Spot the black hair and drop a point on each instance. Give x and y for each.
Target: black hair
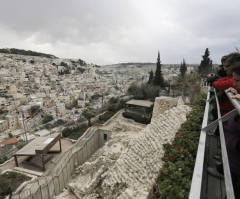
(221, 72)
(224, 58)
(232, 58)
(236, 68)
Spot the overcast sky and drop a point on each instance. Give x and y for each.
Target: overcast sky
(113, 31)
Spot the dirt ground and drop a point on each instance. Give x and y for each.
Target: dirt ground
(66, 145)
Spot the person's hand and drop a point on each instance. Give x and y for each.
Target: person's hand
(232, 90)
(210, 75)
(236, 97)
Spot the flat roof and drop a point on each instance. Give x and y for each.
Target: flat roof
(9, 141)
(39, 145)
(144, 103)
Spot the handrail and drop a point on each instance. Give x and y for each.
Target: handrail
(234, 102)
(227, 174)
(196, 186)
(223, 118)
(195, 191)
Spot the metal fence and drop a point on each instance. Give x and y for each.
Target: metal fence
(196, 186)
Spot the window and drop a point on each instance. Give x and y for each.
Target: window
(105, 136)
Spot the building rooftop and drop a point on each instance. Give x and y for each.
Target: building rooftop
(144, 103)
(9, 141)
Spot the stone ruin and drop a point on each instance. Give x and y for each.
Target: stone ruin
(127, 165)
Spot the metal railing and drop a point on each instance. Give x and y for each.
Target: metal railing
(234, 102)
(226, 169)
(196, 186)
(195, 191)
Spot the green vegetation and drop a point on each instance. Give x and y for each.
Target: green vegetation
(137, 117)
(205, 66)
(3, 159)
(175, 176)
(25, 52)
(74, 132)
(47, 119)
(144, 91)
(150, 80)
(89, 113)
(34, 110)
(183, 68)
(114, 105)
(73, 104)
(105, 117)
(10, 135)
(10, 181)
(188, 86)
(158, 79)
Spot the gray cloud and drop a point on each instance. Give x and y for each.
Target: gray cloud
(110, 31)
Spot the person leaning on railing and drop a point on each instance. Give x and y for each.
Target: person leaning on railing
(221, 83)
(232, 134)
(220, 73)
(225, 104)
(224, 83)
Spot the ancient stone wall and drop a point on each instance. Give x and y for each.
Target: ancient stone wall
(162, 104)
(135, 170)
(131, 173)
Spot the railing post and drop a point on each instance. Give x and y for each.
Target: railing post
(227, 174)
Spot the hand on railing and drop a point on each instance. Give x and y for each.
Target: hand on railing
(237, 96)
(232, 90)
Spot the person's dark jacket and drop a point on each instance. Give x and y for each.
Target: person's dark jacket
(232, 138)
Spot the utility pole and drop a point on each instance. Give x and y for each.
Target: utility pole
(102, 100)
(24, 127)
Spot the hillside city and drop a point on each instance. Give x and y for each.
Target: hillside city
(74, 130)
(119, 99)
(61, 88)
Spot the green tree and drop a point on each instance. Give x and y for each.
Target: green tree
(34, 109)
(205, 66)
(150, 80)
(88, 113)
(144, 91)
(158, 79)
(183, 68)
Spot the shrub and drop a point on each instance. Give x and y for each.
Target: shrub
(137, 117)
(3, 159)
(174, 178)
(106, 116)
(9, 181)
(64, 64)
(34, 109)
(59, 122)
(10, 135)
(73, 104)
(47, 119)
(75, 132)
(144, 91)
(89, 113)
(5, 185)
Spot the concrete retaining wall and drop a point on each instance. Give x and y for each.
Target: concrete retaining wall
(52, 184)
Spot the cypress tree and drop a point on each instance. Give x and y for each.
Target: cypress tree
(158, 79)
(150, 80)
(183, 68)
(205, 66)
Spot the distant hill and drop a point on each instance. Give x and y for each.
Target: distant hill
(149, 64)
(25, 52)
